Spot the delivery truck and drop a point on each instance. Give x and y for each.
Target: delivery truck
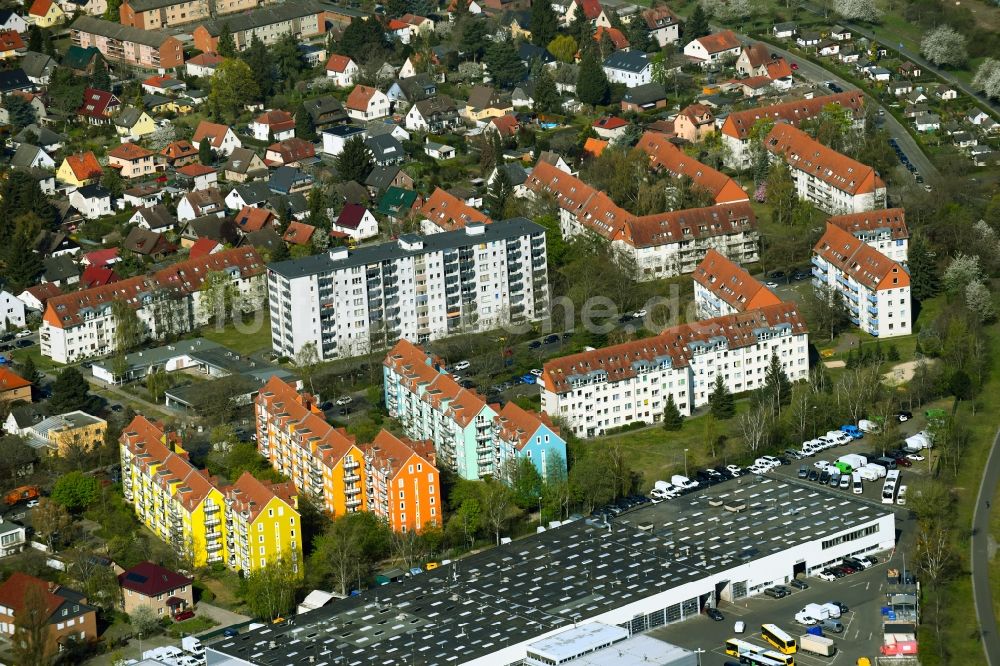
(820, 645)
(812, 613)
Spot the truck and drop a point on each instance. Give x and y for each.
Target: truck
(820, 645)
(192, 645)
(856, 461)
(832, 610)
(21, 494)
(814, 612)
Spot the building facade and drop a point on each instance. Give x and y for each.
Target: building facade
(68, 616)
(829, 180)
(328, 465)
(162, 590)
(885, 230)
(173, 300)
(244, 526)
(161, 14)
(597, 390)
(269, 24)
(471, 437)
(145, 49)
(347, 302)
(722, 287)
(874, 288)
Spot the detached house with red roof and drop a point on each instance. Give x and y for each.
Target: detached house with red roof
(591, 11)
(221, 138)
(290, 152)
(713, 48)
(663, 25)
(98, 106)
(342, 70)
(11, 45)
(274, 125)
(45, 13)
(831, 181)
(367, 103)
(694, 123)
(162, 590)
(874, 288)
(68, 616)
(469, 436)
(132, 160)
(355, 221)
(79, 170)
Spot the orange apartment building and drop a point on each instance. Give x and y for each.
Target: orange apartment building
(327, 464)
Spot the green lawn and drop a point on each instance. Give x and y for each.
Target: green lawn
(254, 338)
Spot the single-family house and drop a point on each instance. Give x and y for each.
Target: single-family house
(92, 201)
(254, 219)
(784, 30)
(275, 125)
(203, 64)
(298, 233)
(807, 38)
(132, 124)
(385, 150)
(439, 151)
(899, 88)
(485, 102)
(28, 156)
(713, 48)
(146, 243)
(201, 203)
(841, 34)
(293, 152)
(132, 160)
(644, 98)
(164, 591)
(610, 127)
(36, 296)
(179, 153)
(61, 270)
(45, 13)
(98, 106)
(437, 115)
(355, 221)
(694, 123)
(154, 218)
(38, 67)
(367, 103)
(221, 138)
(927, 122)
(287, 179)
(197, 176)
(662, 25)
(342, 70)
(11, 317)
(632, 68)
(79, 170)
(945, 92)
(243, 165)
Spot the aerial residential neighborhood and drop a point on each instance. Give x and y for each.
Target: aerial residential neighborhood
(492, 332)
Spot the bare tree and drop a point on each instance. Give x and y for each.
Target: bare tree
(858, 388)
(936, 559)
(754, 427)
(498, 502)
(30, 644)
(410, 548)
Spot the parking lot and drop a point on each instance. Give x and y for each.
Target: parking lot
(862, 592)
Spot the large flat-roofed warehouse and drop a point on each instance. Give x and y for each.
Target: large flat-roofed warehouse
(654, 566)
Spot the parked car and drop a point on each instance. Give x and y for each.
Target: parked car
(803, 472)
(715, 614)
(798, 584)
(734, 470)
(345, 400)
(534, 344)
(461, 365)
(550, 339)
(23, 333)
(916, 457)
(904, 416)
(775, 593)
(813, 475)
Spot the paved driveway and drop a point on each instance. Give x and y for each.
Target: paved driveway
(224, 617)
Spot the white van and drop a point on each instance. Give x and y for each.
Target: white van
(856, 483)
(864, 425)
(901, 496)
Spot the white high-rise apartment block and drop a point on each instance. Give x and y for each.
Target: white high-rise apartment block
(594, 391)
(419, 288)
(875, 289)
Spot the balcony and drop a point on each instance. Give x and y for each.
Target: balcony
(353, 502)
(352, 491)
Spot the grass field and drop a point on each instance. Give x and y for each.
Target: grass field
(256, 338)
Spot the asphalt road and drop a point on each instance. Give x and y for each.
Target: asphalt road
(915, 57)
(816, 74)
(981, 593)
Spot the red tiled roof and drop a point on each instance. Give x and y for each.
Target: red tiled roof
(594, 146)
(610, 122)
(194, 170)
(97, 103)
(181, 278)
(202, 248)
(755, 82)
(338, 63)
(893, 219)
(85, 166)
(591, 8)
(40, 7)
(179, 149)
(395, 453)
(10, 380)
(157, 81)
(778, 69)
(43, 292)
(665, 155)
(616, 36)
(360, 97)
(739, 123)
(129, 152)
(251, 495)
(298, 233)
(11, 41)
(804, 153)
(150, 579)
(351, 215)
(727, 280)
(859, 260)
(659, 17)
(206, 59)
(757, 54)
(214, 132)
(277, 120)
(619, 361)
(293, 149)
(101, 257)
(518, 425)
(251, 219)
(14, 590)
(506, 124)
(719, 41)
(449, 212)
(96, 276)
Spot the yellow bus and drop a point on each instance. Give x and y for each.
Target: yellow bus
(736, 647)
(774, 635)
(768, 658)
(783, 659)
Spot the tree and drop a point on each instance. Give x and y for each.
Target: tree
(233, 85)
(129, 329)
(979, 301)
(923, 269)
(720, 401)
(205, 153)
(963, 269)
(287, 58)
(76, 490)
(96, 580)
(960, 384)
(348, 549)
(144, 621)
(226, 45)
(31, 643)
(22, 263)
(696, 25)
(497, 509)
(50, 520)
(672, 419)
(217, 293)
(547, 98)
(776, 383)
(504, 64)
(638, 35)
(65, 90)
(260, 59)
(754, 427)
(592, 83)
(500, 191)
(987, 78)
(305, 127)
(759, 159)
(19, 111)
(781, 193)
(473, 40)
(70, 392)
(355, 161)
(157, 383)
(112, 181)
(563, 48)
(524, 481)
(270, 592)
(16, 456)
(364, 40)
(944, 46)
(307, 362)
(858, 10)
(35, 38)
(544, 24)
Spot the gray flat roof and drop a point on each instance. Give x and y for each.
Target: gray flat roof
(507, 595)
(373, 254)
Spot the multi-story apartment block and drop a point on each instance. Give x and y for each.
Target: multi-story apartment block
(269, 24)
(597, 390)
(829, 180)
(245, 525)
(146, 49)
(661, 245)
(738, 125)
(666, 157)
(721, 288)
(471, 437)
(173, 300)
(162, 14)
(420, 288)
(328, 465)
(875, 289)
(885, 230)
